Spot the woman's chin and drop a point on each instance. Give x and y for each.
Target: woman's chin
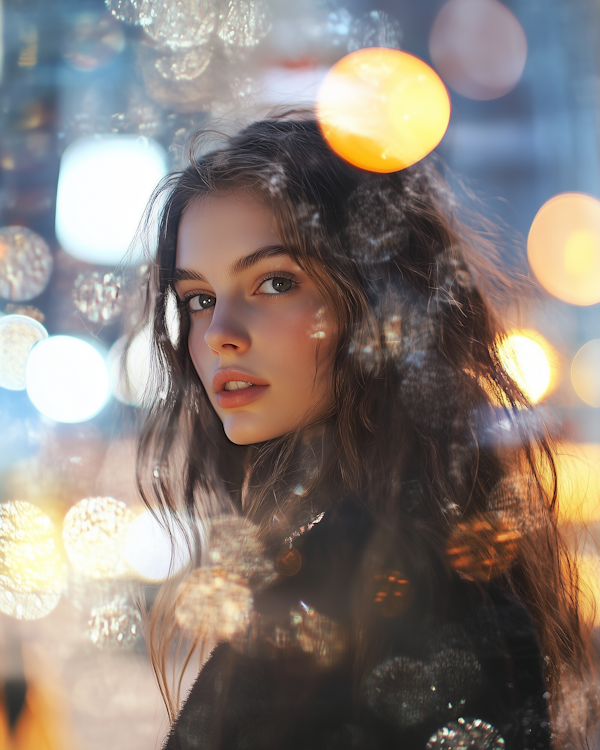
(246, 429)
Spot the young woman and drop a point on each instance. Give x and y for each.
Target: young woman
(369, 497)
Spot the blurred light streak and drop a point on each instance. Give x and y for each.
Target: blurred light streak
(18, 334)
(93, 533)
(585, 373)
(151, 552)
(104, 184)
(531, 362)
(67, 379)
(382, 109)
(564, 248)
(578, 477)
(478, 47)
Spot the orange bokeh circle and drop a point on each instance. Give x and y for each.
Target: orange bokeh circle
(564, 248)
(382, 109)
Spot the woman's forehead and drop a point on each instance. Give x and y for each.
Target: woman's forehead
(223, 228)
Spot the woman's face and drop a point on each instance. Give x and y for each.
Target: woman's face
(261, 337)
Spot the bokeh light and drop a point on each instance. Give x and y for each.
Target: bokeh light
(31, 570)
(151, 552)
(93, 533)
(531, 362)
(18, 334)
(130, 367)
(25, 263)
(564, 248)
(114, 625)
(67, 379)
(478, 47)
(213, 603)
(578, 477)
(93, 41)
(103, 188)
(588, 567)
(472, 733)
(97, 296)
(245, 23)
(585, 373)
(382, 109)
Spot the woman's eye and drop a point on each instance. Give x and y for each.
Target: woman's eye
(276, 285)
(201, 302)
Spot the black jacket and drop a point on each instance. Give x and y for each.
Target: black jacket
(469, 675)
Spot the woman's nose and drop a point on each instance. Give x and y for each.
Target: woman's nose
(227, 331)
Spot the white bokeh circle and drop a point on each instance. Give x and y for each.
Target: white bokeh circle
(67, 379)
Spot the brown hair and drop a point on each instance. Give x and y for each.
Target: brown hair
(421, 396)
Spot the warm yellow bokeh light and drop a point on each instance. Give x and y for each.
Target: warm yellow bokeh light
(382, 109)
(94, 532)
(578, 478)
(530, 361)
(564, 248)
(589, 581)
(585, 373)
(31, 569)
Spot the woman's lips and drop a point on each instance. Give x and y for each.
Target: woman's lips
(241, 397)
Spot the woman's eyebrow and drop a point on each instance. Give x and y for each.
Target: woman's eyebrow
(238, 266)
(186, 274)
(247, 261)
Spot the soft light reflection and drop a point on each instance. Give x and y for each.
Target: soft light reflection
(31, 570)
(578, 476)
(103, 187)
(67, 379)
(530, 361)
(478, 47)
(150, 551)
(564, 248)
(382, 109)
(94, 532)
(585, 373)
(18, 334)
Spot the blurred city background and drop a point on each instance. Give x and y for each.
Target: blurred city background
(98, 101)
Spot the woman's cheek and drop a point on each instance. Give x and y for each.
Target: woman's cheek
(199, 353)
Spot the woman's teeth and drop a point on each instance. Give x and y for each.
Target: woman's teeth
(236, 385)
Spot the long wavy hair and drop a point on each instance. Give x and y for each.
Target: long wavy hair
(422, 399)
